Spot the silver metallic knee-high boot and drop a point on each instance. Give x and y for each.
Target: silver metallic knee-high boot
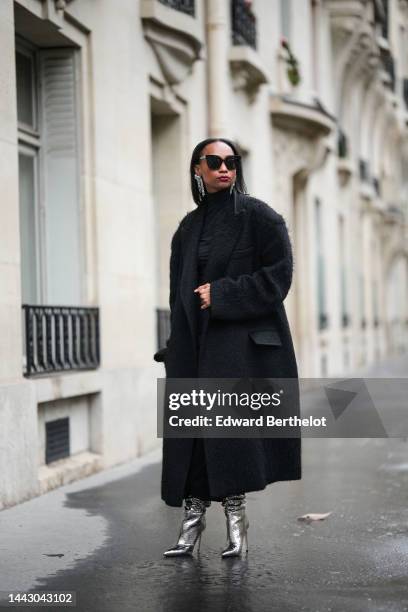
(191, 528)
(237, 525)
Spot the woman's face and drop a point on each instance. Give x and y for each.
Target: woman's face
(212, 178)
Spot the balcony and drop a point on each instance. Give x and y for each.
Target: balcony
(247, 71)
(243, 27)
(60, 338)
(354, 39)
(174, 35)
(346, 15)
(311, 120)
(185, 6)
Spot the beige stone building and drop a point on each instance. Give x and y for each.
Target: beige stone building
(101, 104)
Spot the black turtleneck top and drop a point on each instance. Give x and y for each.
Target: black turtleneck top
(214, 204)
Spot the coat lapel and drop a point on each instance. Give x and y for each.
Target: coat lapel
(223, 242)
(188, 281)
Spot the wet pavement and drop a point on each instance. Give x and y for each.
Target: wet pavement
(103, 537)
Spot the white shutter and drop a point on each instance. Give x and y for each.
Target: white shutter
(61, 194)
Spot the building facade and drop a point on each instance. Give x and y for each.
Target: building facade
(101, 104)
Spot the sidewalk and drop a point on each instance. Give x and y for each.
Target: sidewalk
(104, 536)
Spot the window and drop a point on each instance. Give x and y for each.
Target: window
(385, 24)
(321, 289)
(362, 299)
(26, 88)
(343, 276)
(28, 157)
(47, 113)
(246, 168)
(375, 303)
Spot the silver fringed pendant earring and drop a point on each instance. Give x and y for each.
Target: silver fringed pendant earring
(200, 186)
(232, 187)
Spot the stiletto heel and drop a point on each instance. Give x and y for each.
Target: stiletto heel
(191, 529)
(237, 525)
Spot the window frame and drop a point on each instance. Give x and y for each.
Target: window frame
(30, 142)
(24, 47)
(32, 139)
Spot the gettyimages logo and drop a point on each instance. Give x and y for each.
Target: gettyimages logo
(207, 401)
(282, 407)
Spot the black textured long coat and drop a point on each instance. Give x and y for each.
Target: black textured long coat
(246, 334)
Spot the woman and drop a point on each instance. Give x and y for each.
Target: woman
(231, 268)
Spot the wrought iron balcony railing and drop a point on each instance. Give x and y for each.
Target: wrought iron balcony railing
(60, 338)
(243, 25)
(185, 6)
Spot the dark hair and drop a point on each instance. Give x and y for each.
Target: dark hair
(239, 183)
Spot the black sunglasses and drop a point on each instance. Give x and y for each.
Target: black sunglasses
(214, 162)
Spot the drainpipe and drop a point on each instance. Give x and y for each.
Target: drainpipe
(218, 43)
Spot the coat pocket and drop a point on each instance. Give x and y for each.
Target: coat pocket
(266, 337)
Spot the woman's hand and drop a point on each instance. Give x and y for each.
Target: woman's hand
(204, 291)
